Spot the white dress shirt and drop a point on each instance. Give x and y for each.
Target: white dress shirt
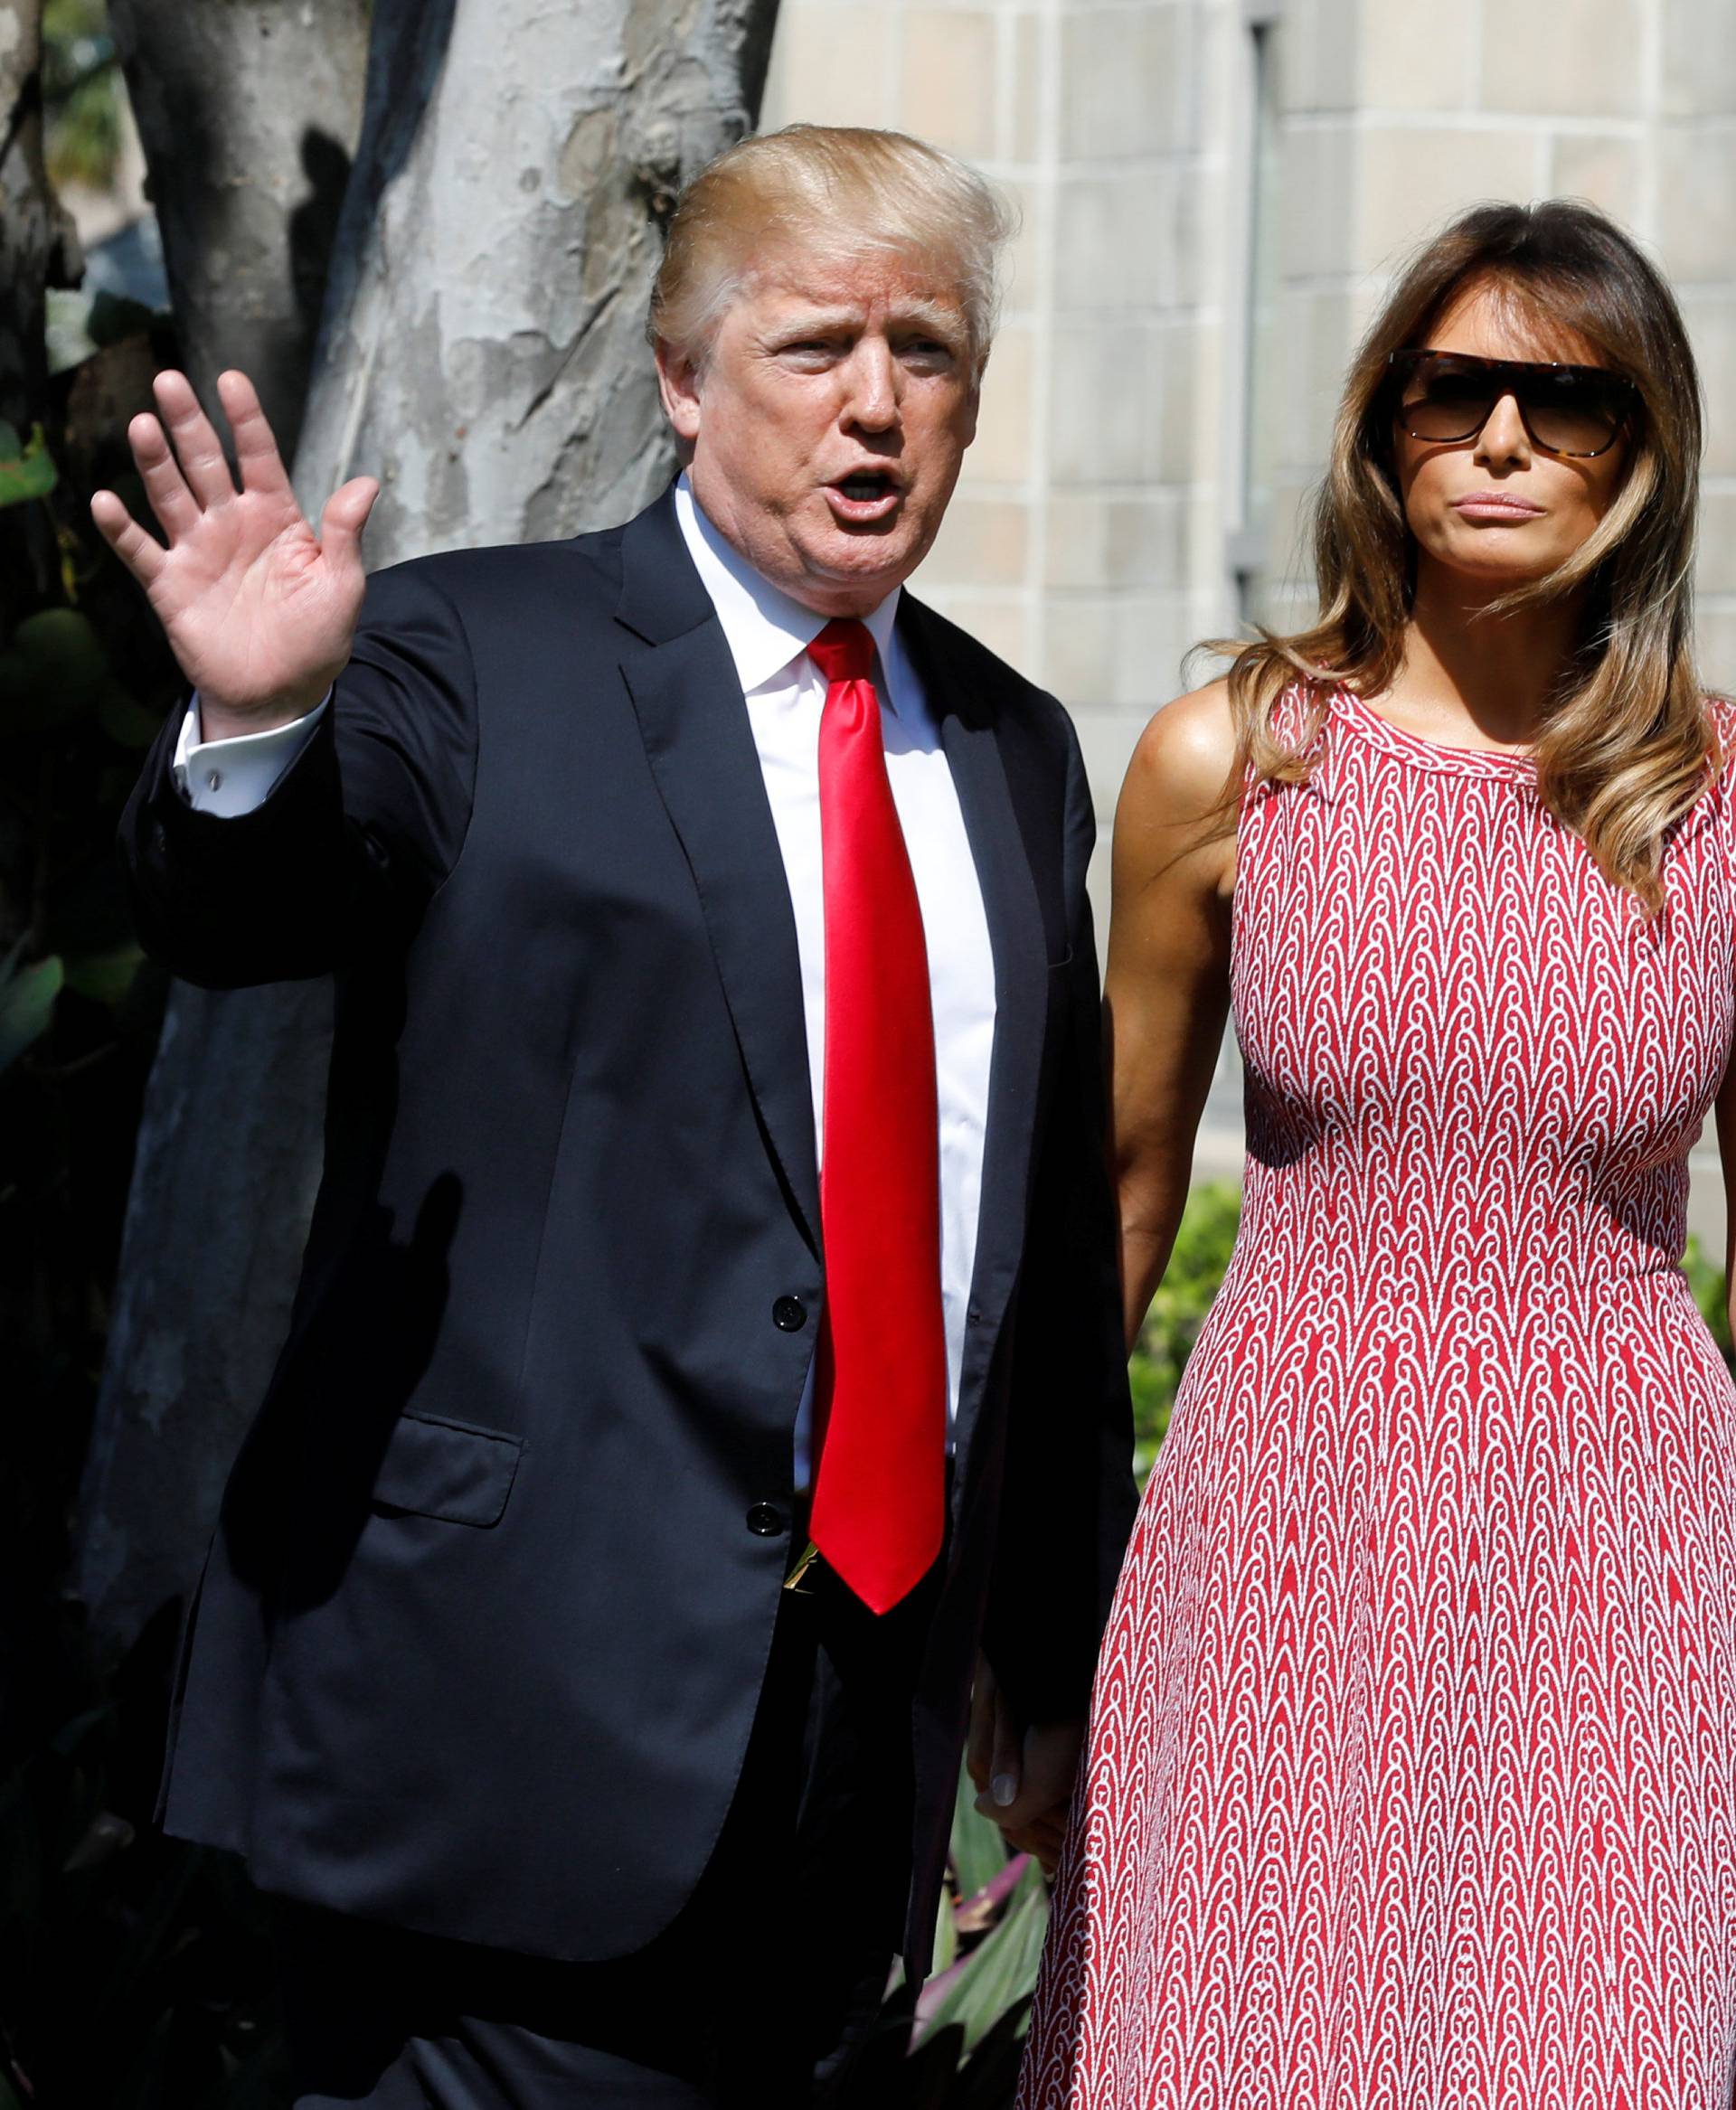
(768, 634)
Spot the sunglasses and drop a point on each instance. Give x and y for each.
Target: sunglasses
(1574, 411)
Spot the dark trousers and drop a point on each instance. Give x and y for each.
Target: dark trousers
(757, 1994)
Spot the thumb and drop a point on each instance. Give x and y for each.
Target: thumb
(344, 517)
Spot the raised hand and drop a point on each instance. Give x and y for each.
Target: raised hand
(259, 611)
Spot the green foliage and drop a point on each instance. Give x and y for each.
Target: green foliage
(1196, 1266)
(135, 1973)
(958, 2046)
(1707, 1282)
(26, 468)
(118, 1949)
(26, 1003)
(81, 92)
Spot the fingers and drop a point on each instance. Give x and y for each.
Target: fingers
(139, 552)
(1044, 1837)
(176, 509)
(256, 447)
(344, 517)
(196, 440)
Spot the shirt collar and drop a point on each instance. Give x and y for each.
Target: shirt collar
(763, 627)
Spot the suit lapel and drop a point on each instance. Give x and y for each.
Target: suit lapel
(1016, 933)
(697, 738)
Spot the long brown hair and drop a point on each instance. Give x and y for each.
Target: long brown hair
(1626, 746)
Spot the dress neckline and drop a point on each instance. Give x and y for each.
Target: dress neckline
(1516, 765)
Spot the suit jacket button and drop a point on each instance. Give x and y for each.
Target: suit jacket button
(765, 1520)
(789, 1314)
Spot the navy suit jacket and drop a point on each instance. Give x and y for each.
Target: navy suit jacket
(479, 1641)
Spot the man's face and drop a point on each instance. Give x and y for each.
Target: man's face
(828, 426)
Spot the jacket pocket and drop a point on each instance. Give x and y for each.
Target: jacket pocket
(449, 1470)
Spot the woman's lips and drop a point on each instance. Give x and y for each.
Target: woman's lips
(1482, 505)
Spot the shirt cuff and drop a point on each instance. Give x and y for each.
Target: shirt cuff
(230, 777)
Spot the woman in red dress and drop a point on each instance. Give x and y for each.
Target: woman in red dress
(1412, 1779)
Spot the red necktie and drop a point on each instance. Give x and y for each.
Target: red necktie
(880, 1497)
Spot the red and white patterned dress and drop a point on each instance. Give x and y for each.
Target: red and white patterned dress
(1411, 1781)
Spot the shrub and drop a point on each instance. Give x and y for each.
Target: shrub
(1172, 1327)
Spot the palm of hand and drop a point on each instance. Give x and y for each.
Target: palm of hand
(260, 612)
(250, 605)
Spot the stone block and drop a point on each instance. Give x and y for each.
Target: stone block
(1096, 540)
(1189, 430)
(1599, 166)
(1002, 452)
(1711, 318)
(831, 64)
(1699, 58)
(1415, 57)
(1104, 425)
(948, 78)
(1152, 640)
(1410, 181)
(1716, 645)
(1316, 222)
(1317, 46)
(1306, 357)
(1568, 58)
(1116, 243)
(1125, 87)
(1000, 622)
(1033, 38)
(1076, 540)
(983, 542)
(1022, 266)
(1078, 650)
(1715, 572)
(1696, 203)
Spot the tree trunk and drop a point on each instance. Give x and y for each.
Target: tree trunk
(482, 353)
(38, 246)
(247, 114)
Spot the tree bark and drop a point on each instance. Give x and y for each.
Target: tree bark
(38, 246)
(247, 111)
(482, 353)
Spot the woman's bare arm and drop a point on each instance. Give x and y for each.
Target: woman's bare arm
(1166, 992)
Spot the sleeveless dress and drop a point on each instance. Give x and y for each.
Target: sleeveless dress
(1412, 1777)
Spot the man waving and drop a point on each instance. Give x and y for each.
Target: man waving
(713, 1196)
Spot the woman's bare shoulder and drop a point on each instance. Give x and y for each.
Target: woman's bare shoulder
(1184, 761)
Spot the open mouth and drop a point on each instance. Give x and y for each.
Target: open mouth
(864, 497)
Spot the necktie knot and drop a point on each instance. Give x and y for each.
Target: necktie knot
(844, 651)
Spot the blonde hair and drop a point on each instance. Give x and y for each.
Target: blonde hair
(1626, 746)
(836, 190)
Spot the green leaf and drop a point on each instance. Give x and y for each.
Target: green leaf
(105, 977)
(1706, 1280)
(946, 1937)
(53, 674)
(978, 1850)
(26, 468)
(1002, 1972)
(127, 723)
(27, 997)
(1196, 1266)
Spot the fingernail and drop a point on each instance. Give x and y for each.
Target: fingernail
(1004, 1789)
